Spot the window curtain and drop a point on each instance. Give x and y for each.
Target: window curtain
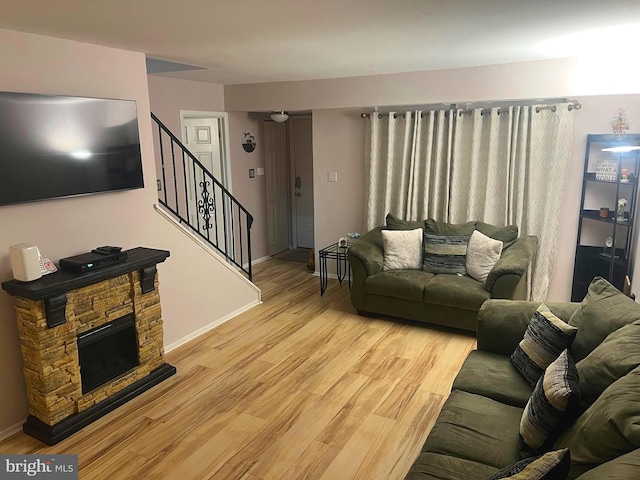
(500, 165)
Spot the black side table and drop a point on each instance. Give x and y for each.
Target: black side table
(342, 264)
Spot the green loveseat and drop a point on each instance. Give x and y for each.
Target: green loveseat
(476, 433)
(444, 299)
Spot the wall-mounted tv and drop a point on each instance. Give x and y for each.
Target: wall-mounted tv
(55, 146)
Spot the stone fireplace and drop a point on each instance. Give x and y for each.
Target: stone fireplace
(90, 342)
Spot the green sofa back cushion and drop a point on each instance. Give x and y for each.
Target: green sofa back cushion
(395, 223)
(507, 235)
(435, 227)
(604, 310)
(616, 356)
(609, 428)
(622, 468)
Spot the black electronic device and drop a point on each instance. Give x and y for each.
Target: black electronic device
(55, 146)
(92, 261)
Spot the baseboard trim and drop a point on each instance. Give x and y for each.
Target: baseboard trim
(210, 326)
(259, 260)
(11, 431)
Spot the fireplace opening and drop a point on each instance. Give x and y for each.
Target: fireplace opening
(107, 352)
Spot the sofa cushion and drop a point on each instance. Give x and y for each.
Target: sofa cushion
(493, 375)
(445, 253)
(552, 407)
(609, 428)
(394, 223)
(405, 284)
(433, 466)
(616, 356)
(603, 310)
(482, 254)
(507, 235)
(623, 467)
(435, 227)
(476, 428)
(402, 249)
(549, 466)
(456, 291)
(544, 340)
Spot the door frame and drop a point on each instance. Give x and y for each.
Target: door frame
(293, 222)
(225, 161)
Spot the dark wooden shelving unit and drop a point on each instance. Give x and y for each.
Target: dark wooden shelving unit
(593, 257)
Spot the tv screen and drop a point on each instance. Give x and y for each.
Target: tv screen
(55, 146)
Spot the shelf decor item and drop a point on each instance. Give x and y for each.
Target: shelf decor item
(607, 170)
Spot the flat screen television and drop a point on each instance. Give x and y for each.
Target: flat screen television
(55, 146)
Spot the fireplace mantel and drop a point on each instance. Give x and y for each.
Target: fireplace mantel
(62, 281)
(53, 311)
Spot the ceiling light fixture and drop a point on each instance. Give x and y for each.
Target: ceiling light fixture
(280, 116)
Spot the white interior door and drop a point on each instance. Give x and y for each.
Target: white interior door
(302, 160)
(276, 177)
(202, 137)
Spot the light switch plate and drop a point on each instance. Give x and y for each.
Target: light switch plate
(260, 171)
(333, 176)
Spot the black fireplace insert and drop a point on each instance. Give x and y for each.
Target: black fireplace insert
(108, 351)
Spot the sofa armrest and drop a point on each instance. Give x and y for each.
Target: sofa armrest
(511, 268)
(368, 251)
(502, 323)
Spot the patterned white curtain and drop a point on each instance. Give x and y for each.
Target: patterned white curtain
(408, 165)
(501, 165)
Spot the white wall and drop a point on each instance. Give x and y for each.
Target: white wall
(195, 289)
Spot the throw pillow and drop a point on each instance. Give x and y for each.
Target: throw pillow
(394, 223)
(402, 249)
(550, 466)
(435, 227)
(603, 310)
(611, 360)
(482, 254)
(544, 340)
(507, 235)
(552, 407)
(609, 428)
(445, 253)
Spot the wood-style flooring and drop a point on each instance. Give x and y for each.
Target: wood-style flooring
(299, 387)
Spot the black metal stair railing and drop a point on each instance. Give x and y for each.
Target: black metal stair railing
(197, 199)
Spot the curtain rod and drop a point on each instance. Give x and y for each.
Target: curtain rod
(573, 105)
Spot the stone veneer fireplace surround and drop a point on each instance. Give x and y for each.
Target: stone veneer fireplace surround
(56, 310)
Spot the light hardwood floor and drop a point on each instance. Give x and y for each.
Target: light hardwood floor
(299, 387)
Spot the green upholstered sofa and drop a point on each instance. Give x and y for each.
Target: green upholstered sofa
(444, 299)
(476, 433)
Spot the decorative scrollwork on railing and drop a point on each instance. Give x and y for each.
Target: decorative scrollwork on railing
(207, 205)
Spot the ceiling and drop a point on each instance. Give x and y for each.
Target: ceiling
(250, 41)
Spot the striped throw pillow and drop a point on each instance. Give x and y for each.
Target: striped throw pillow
(550, 466)
(552, 407)
(445, 253)
(546, 337)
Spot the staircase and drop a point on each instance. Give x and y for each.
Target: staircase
(200, 202)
